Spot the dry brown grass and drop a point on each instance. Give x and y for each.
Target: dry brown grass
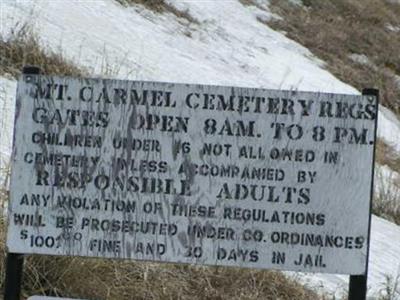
(250, 3)
(120, 280)
(391, 288)
(23, 47)
(336, 29)
(161, 6)
(387, 155)
(386, 205)
(386, 201)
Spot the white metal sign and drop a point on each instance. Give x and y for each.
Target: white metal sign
(192, 174)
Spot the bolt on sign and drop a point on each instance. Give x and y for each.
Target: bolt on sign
(198, 174)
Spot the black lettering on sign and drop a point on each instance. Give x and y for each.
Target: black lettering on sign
(317, 240)
(237, 128)
(296, 155)
(345, 110)
(274, 216)
(351, 136)
(28, 220)
(278, 258)
(50, 91)
(310, 261)
(306, 176)
(237, 255)
(270, 193)
(331, 157)
(105, 246)
(163, 123)
(211, 232)
(35, 200)
(145, 145)
(251, 152)
(70, 117)
(67, 139)
(282, 131)
(190, 211)
(216, 149)
(64, 222)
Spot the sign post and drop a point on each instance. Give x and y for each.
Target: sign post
(200, 174)
(14, 268)
(15, 261)
(358, 283)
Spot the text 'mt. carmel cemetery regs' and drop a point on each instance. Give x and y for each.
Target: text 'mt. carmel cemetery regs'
(192, 174)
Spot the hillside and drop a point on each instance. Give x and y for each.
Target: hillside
(206, 42)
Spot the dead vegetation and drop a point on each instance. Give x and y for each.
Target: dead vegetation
(386, 155)
(161, 6)
(386, 202)
(391, 288)
(251, 3)
(359, 40)
(22, 47)
(386, 205)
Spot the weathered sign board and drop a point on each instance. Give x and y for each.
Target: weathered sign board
(192, 174)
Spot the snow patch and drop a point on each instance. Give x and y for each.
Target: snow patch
(229, 47)
(390, 27)
(389, 128)
(7, 108)
(360, 59)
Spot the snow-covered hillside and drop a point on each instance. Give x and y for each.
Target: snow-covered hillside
(229, 46)
(7, 106)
